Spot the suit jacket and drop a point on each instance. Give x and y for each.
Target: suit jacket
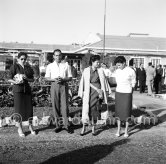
(84, 91)
(18, 69)
(150, 73)
(136, 72)
(159, 73)
(141, 74)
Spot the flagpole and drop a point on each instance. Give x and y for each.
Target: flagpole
(104, 30)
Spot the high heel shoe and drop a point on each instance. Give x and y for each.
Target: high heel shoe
(126, 135)
(33, 132)
(83, 132)
(21, 134)
(117, 134)
(93, 131)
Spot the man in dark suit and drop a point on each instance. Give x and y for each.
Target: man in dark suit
(158, 79)
(132, 65)
(142, 78)
(74, 70)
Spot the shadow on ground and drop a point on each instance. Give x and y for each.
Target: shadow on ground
(88, 155)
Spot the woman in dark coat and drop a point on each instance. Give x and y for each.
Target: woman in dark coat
(20, 75)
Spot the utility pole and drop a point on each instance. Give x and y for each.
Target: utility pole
(104, 31)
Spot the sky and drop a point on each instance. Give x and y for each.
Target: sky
(72, 21)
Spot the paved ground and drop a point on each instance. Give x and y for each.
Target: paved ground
(145, 144)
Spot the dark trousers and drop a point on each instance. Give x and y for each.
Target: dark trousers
(142, 86)
(158, 87)
(136, 85)
(59, 99)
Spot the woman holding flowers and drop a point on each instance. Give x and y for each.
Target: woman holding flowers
(20, 74)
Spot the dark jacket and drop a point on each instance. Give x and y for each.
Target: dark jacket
(141, 74)
(18, 69)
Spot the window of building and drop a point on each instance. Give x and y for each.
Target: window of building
(2, 66)
(78, 61)
(155, 61)
(138, 61)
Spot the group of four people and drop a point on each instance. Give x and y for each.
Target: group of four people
(94, 89)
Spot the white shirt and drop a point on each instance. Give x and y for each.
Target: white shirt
(42, 69)
(125, 80)
(55, 70)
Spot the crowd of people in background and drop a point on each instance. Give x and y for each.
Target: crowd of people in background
(151, 78)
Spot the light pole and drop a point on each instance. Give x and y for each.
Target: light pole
(104, 30)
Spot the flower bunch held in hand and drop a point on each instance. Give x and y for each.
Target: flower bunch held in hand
(19, 78)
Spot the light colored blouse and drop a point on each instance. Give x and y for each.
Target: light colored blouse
(55, 70)
(125, 79)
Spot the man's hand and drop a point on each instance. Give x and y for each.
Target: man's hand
(24, 76)
(59, 80)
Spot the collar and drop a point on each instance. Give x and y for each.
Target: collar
(91, 70)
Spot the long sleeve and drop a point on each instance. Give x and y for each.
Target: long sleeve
(133, 79)
(48, 72)
(81, 86)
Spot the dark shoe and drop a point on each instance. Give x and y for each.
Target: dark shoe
(82, 134)
(69, 130)
(58, 129)
(94, 134)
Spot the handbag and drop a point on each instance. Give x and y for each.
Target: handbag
(100, 92)
(112, 81)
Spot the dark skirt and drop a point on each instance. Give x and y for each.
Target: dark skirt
(23, 105)
(94, 104)
(123, 106)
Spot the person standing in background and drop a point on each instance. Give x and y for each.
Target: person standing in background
(164, 75)
(59, 73)
(36, 70)
(132, 65)
(42, 69)
(150, 75)
(107, 71)
(74, 70)
(142, 78)
(158, 79)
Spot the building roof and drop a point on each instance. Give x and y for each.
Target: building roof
(129, 43)
(134, 43)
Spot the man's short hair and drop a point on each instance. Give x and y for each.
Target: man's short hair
(57, 50)
(131, 62)
(150, 63)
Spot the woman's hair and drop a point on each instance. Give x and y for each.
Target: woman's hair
(93, 58)
(120, 59)
(22, 54)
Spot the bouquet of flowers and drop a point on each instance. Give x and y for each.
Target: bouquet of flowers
(19, 78)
